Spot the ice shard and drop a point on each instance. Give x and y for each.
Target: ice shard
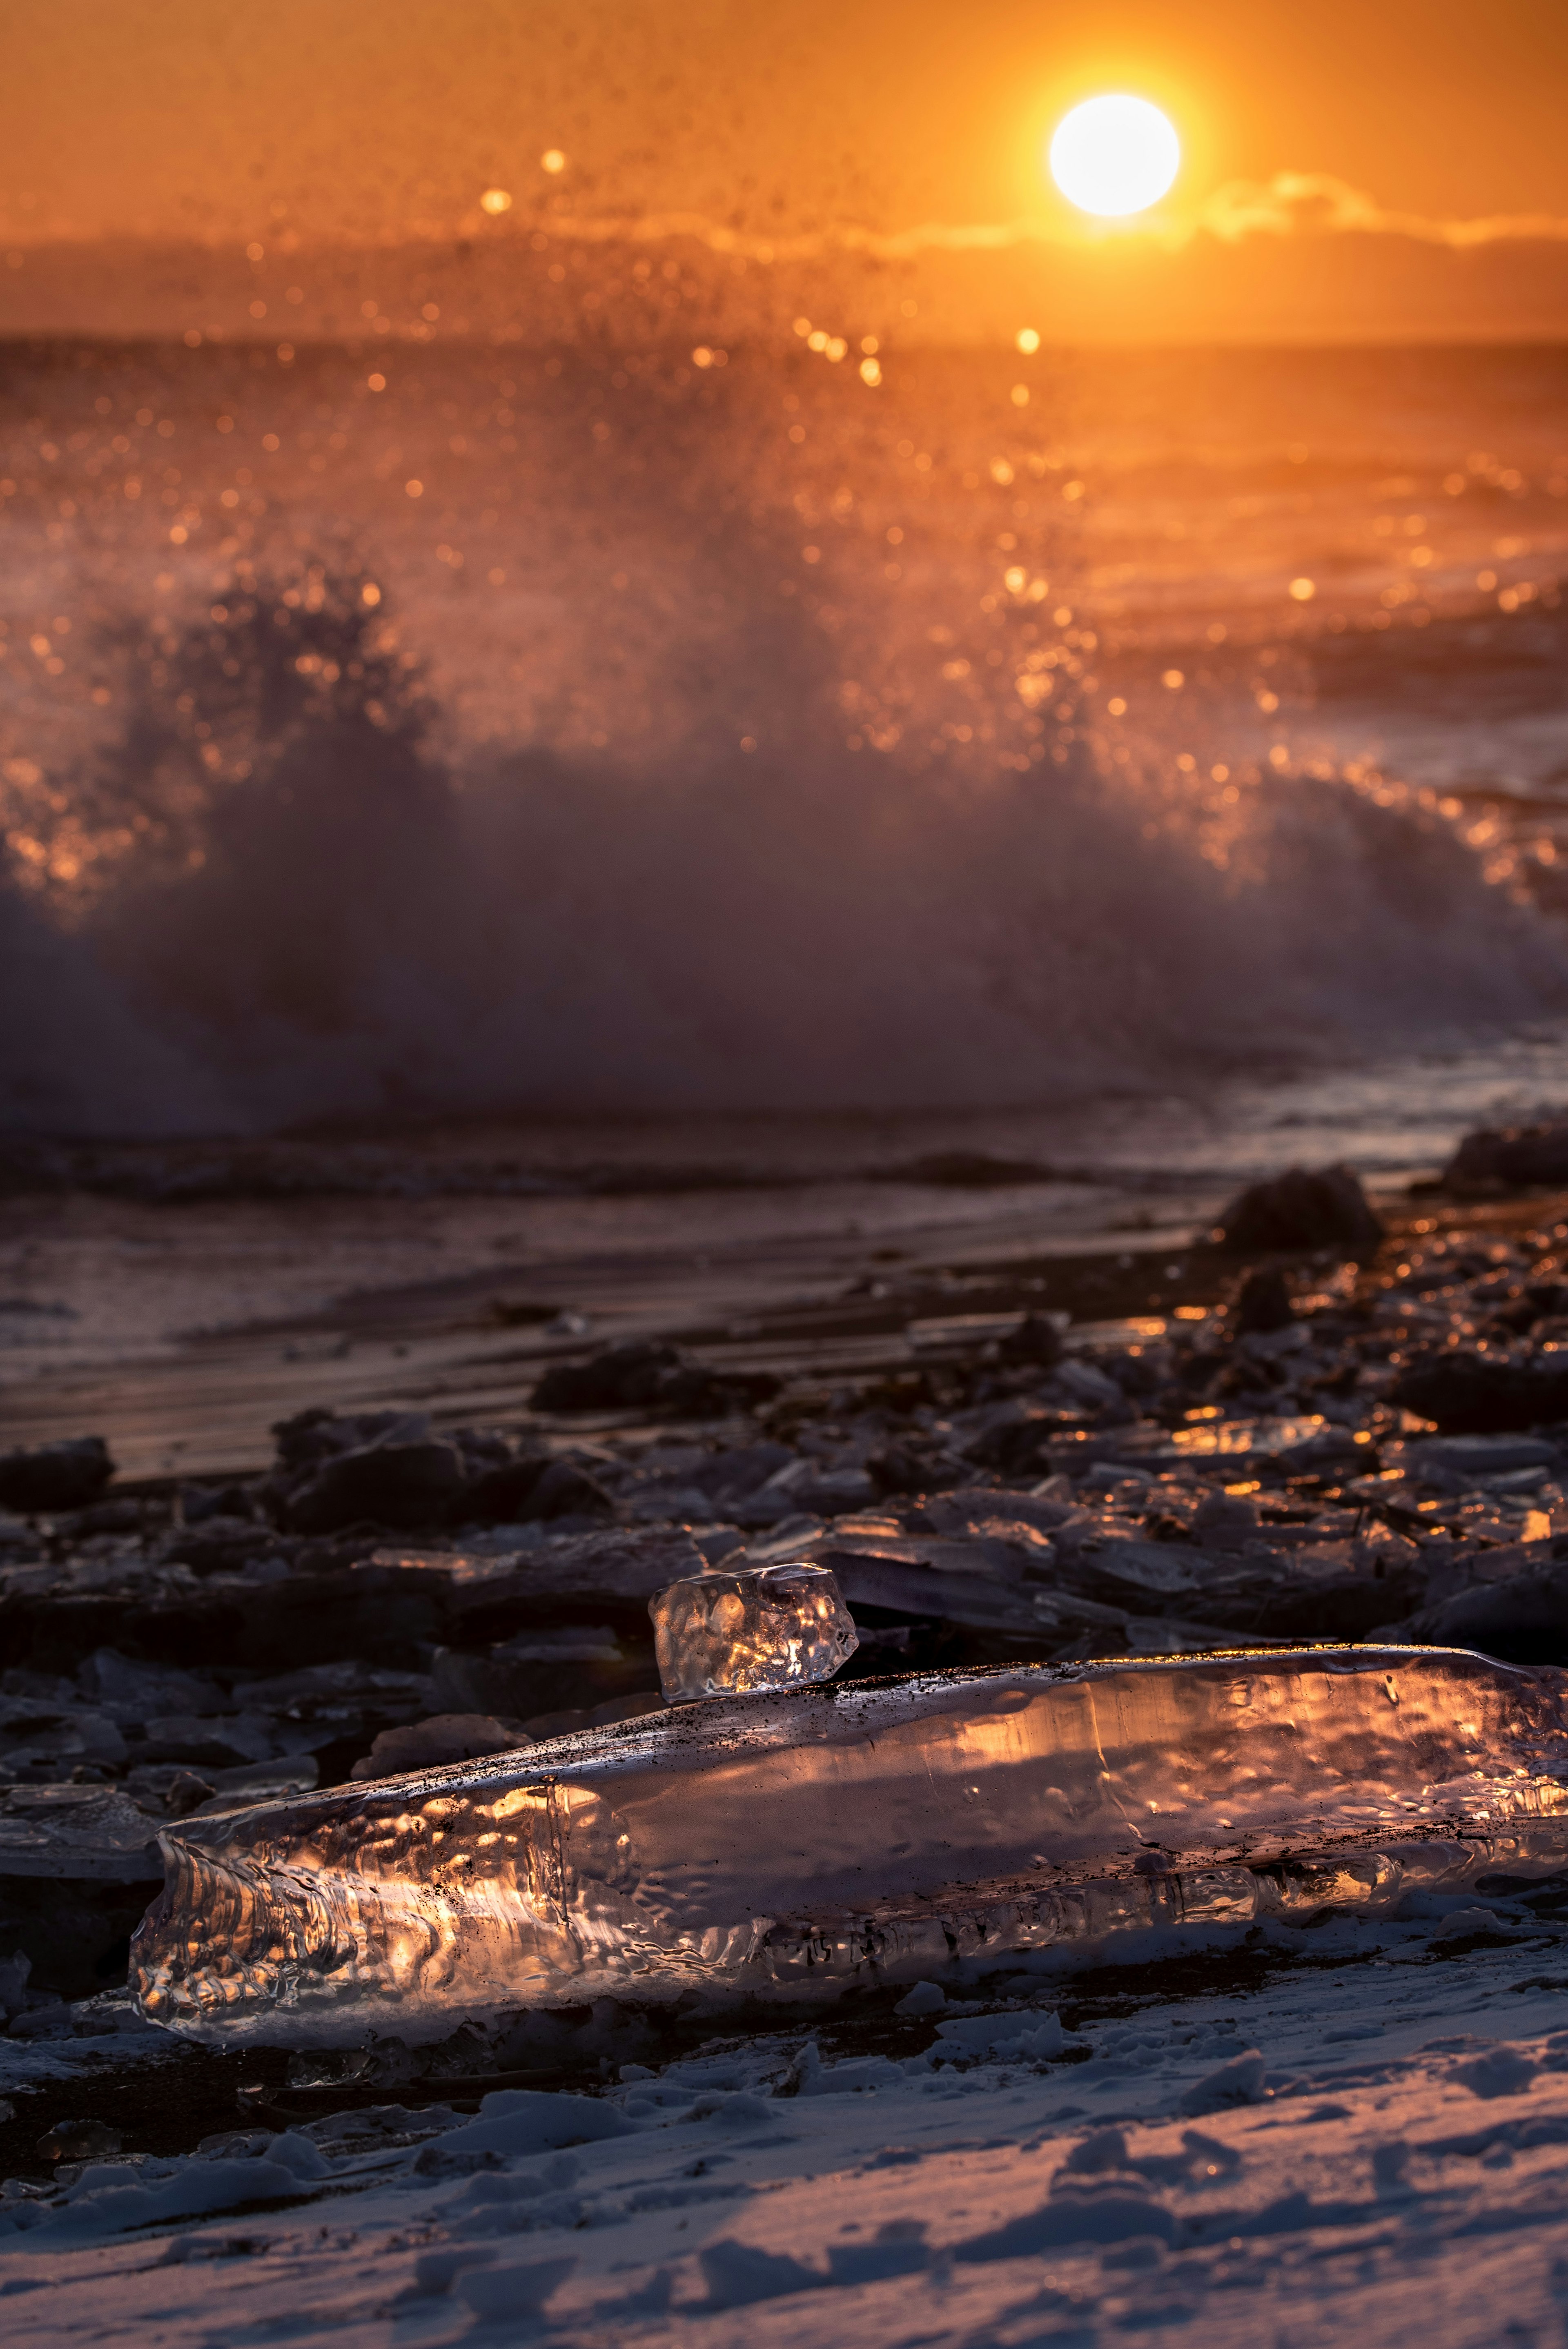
(780, 1845)
(771, 1626)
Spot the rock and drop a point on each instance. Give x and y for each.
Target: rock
(1478, 1457)
(383, 1483)
(645, 1374)
(740, 1469)
(903, 1468)
(1012, 1436)
(313, 1436)
(1509, 1158)
(444, 1737)
(14, 1973)
(519, 1677)
(566, 1491)
(622, 1377)
(1299, 1209)
(1225, 1521)
(1477, 1394)
(53, 1477)
(609, 1576)
(567, 1722)
(82, 2141)
(1523, 1620)
(972, 1170)
(500, 1495)
(1037, 1338)
(1263, 1303)
(90, 1832)
(1301, 1444)
(186, 1792)
(1090, 1387)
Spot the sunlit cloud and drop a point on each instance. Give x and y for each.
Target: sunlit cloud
(1292, 203)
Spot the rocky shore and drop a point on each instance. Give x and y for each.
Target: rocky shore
(1361, 1433)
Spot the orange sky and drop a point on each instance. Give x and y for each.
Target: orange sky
(382, 120)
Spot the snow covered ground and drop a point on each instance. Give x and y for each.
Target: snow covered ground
(1363, 2139)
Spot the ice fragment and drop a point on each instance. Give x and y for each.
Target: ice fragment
(1238, 2081)
(774, 1627)
(789, 1845)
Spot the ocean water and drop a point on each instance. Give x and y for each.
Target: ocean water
(621, 727)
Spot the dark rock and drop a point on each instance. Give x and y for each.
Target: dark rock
(499, 1496)
(1298, 1209)
(740, 1469)
(1467, 1458)
(902, 1468)
(566, 1491)
(1286, 1606)
(694, 1392)
(185, 1791)
(83, 2140)
(51, 1477)
(565, 1722)
(1225, 1521)
(1015, 1437)
(1036, 1339)
(621, 1378)
(313, 1436)
(580, 1665)
(1523, 1620)
(444, 1737)
(971, 1170)
(1263, 1303)
(644, 1374)
(385, 1484)
(200, 1501)
(1509, 1158)
(1472, 1395)
(220, 1545)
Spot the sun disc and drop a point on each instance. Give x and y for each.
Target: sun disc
(1114, 155)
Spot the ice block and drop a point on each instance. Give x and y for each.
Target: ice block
(770, 1627)
(781, 1846)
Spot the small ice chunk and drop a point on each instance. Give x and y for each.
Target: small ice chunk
(1003, 2037)
(738, 2276)
(517, 2294)
(1238, 2081)
(772, 1627)
(925, 1998)
(1460, 1922)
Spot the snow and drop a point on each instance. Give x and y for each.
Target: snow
(1364, 2138)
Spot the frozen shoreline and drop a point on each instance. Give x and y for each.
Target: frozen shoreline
(1394, 2174)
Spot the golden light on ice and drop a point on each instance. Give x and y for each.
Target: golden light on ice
(1114, 155)
(552, 159)
(495, 199)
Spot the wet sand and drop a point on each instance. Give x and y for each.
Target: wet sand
(186, 1332)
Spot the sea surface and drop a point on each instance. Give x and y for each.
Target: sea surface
(1149, 757)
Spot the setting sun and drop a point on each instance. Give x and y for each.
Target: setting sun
(1114, 155)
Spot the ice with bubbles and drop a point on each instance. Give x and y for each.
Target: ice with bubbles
(771, 1627)
(788, 1844)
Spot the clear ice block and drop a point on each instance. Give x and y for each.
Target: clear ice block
(788, 1844)
(772, 1627)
